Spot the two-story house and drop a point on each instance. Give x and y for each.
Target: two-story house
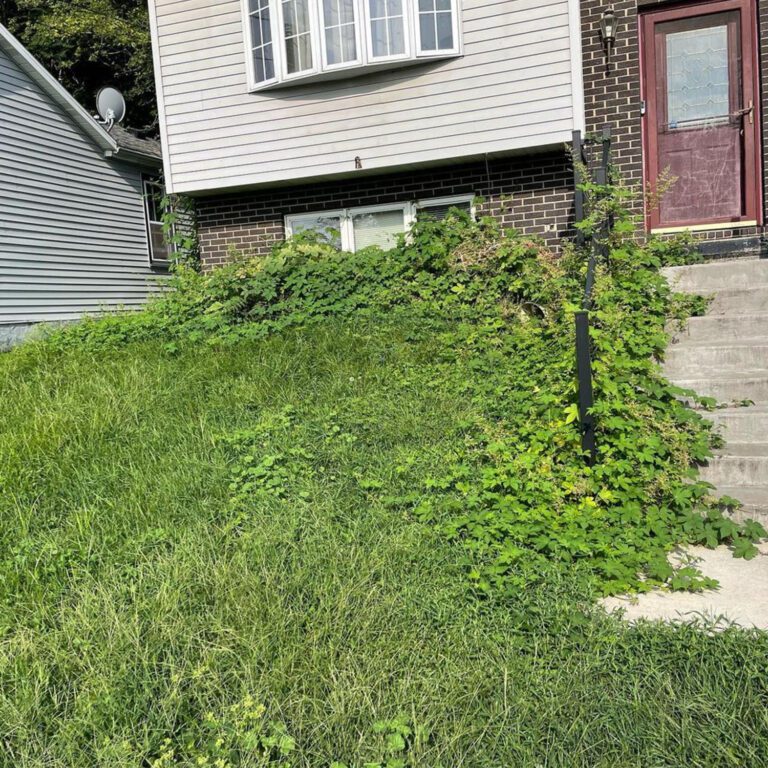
(354, 115)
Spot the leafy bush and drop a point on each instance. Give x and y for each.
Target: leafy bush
(444, 264)
(516, 492)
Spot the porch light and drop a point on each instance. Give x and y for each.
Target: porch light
(608, 33)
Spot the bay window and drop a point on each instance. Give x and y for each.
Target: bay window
(353, 229)
(301, 40)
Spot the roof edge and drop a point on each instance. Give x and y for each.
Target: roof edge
(48, 83)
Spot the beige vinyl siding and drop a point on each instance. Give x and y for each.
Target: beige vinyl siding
(512, 90)
(72, 232)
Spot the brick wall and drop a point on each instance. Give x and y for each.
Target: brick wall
(533, 193)
(613, 97)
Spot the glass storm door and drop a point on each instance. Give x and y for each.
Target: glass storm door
(701, 125)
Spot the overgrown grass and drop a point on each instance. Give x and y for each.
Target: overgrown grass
(229, 547)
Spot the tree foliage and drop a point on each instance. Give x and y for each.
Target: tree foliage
(87, 44)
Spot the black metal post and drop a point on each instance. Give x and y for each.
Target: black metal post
(578, 199)
(586, 397)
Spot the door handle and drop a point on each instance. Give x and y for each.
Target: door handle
(750, 110)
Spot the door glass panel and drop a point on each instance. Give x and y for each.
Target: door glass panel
(379, 228)
(697, 75)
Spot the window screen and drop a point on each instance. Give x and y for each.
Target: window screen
(440, 210)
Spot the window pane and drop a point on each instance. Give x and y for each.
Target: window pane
(380, 228)
(331, 12)
(305, 52)
(347, 11)
(396, 37)
(269, 62)
(427, 30)
(378, 9)
(444, 31)
(333, 45)
(349, 49)
(394, 7)
(290, 27)
(160, 249)
(426, 5)
(327, 227)
(256, 40)
(379, 38)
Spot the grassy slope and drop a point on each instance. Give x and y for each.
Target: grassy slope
(135, 600)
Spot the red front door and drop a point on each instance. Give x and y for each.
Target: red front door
(701, 121)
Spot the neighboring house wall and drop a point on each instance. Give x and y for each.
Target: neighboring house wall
(517, 87)
(613, 98)
(72, 229)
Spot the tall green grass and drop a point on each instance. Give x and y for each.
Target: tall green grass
(139, 602)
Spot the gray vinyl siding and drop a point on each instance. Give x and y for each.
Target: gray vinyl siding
(72, 231)
(514, 89)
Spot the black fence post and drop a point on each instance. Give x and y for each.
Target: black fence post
(598, 249)
(578, 199)
(586, 396)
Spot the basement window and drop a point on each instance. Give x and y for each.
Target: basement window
(305, 40)
(352, 229)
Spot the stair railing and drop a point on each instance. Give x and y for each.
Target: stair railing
(598, 250)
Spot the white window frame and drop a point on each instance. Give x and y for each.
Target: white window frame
(313, 44)
(253, 83)
(359, 44)
(365, 63)
(408, 20)
(420, 52)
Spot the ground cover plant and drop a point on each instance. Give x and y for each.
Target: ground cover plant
(322, 509)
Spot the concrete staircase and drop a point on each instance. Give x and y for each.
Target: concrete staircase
(725, 355)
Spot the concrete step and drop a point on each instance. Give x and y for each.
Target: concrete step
(697, 358)
(741, 425)
(714, 328)
(753, 498)
(717, 276)
(732, 388)
(739, 302)
(745, 468)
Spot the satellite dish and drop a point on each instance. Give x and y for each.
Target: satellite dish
(110, 105)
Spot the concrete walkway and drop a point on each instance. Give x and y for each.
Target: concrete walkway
(741, 599)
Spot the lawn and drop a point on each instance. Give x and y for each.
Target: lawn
(239, 554)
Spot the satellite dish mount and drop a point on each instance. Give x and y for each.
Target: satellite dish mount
(110, 105)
